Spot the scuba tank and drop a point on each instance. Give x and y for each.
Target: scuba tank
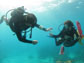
(16, 11)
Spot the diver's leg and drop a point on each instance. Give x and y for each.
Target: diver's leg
(70, 43)
(21, 38)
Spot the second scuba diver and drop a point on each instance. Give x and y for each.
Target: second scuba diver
(21, 21)
(68, 36)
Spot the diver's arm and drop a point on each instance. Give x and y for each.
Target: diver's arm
(1, 21)
(56, 36)
(23, 39)
(42, 28)
(61, 33)
(53, 36)
(7, 22)
(2, 18)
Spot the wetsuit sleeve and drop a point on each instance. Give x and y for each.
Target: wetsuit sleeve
(40, 27)
(21, 38)
(60, 34)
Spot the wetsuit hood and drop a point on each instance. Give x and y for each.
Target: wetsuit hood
(68, 23)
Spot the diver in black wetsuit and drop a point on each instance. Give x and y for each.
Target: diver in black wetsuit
(68, 36)
(21, 21)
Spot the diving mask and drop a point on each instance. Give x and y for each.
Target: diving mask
(66, 26)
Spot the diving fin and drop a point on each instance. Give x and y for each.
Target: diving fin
(80, 42)
(62, 50)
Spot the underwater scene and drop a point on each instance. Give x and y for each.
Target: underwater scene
(56, 36)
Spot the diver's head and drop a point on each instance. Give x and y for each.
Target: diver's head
(68, 24)
(30, 23)
(30, 20)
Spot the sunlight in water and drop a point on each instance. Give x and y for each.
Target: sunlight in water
(35, 5)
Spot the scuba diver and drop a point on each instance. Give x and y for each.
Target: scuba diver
(68, 36)
(20, 21)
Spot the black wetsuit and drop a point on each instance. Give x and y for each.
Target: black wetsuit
(17, 25)
(66, 32)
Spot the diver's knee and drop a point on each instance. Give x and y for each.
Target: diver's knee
(68, 45)
(20, 39)
(58, 43)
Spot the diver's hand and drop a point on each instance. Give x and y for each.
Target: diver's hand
(3, 17)
(49, 29)
(34, 42)
(1, 20)
(51, 34)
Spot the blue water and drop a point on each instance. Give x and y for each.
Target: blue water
(14, 51)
